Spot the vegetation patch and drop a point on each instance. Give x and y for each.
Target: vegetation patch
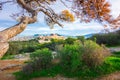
(7, 57)
(110, 65)
(116, 53)
(109, 39)
(71, 62)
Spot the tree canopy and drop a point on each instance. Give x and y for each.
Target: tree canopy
(85, 10)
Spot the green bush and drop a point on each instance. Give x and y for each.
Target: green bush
(81, 38)
(81, 59)
(41, 59)
(88, 53)
(110, 65)
(109, 39)
(69, 40)
(18, 47)
(70, 56)
(94, 54)
(52, 45)
(14, 48)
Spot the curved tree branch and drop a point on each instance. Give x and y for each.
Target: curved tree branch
(18, 28)
(8, 33)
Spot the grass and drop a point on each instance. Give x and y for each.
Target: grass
(110, 65)
(44, 73)
(7, 57)
(116, 53)
(113, 46)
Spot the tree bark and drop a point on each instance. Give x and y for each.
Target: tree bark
(3, 48)
(8, 33)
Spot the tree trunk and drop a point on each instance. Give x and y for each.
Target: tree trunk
(8, 33)
(3, 48)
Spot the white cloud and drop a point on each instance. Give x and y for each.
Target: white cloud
(69, 29)
(2, 28)
(115, 7)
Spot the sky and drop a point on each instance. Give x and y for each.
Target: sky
(72, 29)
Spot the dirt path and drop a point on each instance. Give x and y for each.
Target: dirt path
(54, 78)
(114, 49)
(7, 67)
(113, 76)
(4, 76)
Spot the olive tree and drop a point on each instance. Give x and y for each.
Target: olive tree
(85, 10)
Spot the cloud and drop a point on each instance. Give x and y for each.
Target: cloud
(115, 7)
(2, 28)
(40, 27)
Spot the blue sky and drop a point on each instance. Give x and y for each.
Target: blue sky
(72, 29)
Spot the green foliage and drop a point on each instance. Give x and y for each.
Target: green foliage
(50, 72)
(109, 39)
(41, 59)
(52, 45)
(69, 40)
(8, 57)
(87, 52)
(43, 53)
(71, 57)
(17, 47)
(111, 64)
(81, 38)
(14, 48)
(94, 54)
(78, 58)
(83, 61)
(116, 54)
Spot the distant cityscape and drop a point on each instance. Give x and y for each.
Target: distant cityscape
(45, 37)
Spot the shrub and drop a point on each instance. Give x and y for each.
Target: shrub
(52, 45)
(70, 57)
(17, 47)
(14, 48)
(94, 54)
(69, 40)
(41, 59)
(109, 39)
(81, 38)
(88, 53)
